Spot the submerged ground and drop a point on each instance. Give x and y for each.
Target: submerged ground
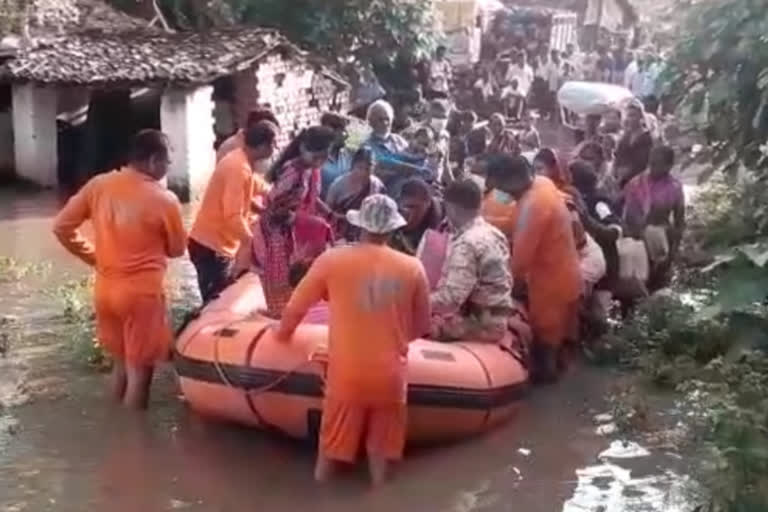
(63, 447)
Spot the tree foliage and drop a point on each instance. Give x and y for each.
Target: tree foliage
(366, 30)
(720, 63)
(722, 56)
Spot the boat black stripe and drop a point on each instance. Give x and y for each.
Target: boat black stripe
(309, 385)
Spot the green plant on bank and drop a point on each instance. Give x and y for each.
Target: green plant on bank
(75, 298)
(731, 433)
(718, 367)
(77, 322)
(719, 68)
(11, 270)
(711, 351)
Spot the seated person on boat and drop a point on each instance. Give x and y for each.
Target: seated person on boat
(349, 190)
(473, 299)
(421, 210)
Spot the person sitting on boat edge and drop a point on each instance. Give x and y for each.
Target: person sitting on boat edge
(421, 211)
(349, 190)
(473, 299)
(379, 302)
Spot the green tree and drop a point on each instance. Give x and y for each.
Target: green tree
(721, 59)
(340, 30)
(722, 53)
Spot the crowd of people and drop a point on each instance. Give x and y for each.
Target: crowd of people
(445, 225)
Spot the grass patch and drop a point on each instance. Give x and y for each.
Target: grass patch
(12, 270)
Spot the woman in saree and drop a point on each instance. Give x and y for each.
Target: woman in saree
(600, 156)
(502, 139)
(348, 191)
(294, 195)
(654, 211)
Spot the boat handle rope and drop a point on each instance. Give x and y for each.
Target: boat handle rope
(216, 362)
(311, 359)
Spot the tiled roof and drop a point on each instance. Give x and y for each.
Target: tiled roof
(138, 57)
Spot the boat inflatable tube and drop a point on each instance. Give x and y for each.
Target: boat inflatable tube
(231, 368)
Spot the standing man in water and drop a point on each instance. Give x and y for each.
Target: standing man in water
(379, 302)
(544, 256)
(137, 226)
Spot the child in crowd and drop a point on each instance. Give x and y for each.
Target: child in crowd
(530, 140)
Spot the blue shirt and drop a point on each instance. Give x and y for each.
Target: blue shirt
(333, 168)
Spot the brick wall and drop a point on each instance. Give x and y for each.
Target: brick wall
(295, 91)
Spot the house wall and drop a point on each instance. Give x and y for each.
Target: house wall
(184, 116)
(297, 93)
(34, 127)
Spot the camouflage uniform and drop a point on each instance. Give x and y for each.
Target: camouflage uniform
(473, 299)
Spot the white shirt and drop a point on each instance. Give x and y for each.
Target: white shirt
(650, 78)
(439, 75)
(524, 77)
(552, 74)
(635, 81)
(629, 73)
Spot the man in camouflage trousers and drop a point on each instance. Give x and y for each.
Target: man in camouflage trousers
(473, 299)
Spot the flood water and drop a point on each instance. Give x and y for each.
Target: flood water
(67, 449)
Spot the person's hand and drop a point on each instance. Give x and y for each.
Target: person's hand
(580, 206)
(280, 337)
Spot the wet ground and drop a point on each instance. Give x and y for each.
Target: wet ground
(63, 447)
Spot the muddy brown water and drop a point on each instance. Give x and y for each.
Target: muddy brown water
(68, 449)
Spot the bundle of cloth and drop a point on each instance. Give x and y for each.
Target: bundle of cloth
(394, 168)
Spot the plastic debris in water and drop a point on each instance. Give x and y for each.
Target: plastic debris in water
(525, 452)
(624, 450)
(607, 429)
(603, 418)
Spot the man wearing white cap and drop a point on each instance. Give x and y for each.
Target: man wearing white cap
(379, 303)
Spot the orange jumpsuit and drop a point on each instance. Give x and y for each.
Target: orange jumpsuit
(224, 219)
(379, 303)
(544, 254)
(137, 226)
(231, 143)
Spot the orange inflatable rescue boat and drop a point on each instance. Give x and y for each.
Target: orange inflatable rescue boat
(231, 368)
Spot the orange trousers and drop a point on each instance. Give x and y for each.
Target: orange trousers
(132, 326)
(345, 425)
(553, 323)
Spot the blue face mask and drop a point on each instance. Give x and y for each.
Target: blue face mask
(503, 197)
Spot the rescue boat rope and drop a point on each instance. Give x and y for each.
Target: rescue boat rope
(268, 387)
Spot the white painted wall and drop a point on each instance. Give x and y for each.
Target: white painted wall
(186, 116)
(34, 127)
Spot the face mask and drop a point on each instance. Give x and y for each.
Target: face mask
(439, 124)
(503, 197)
